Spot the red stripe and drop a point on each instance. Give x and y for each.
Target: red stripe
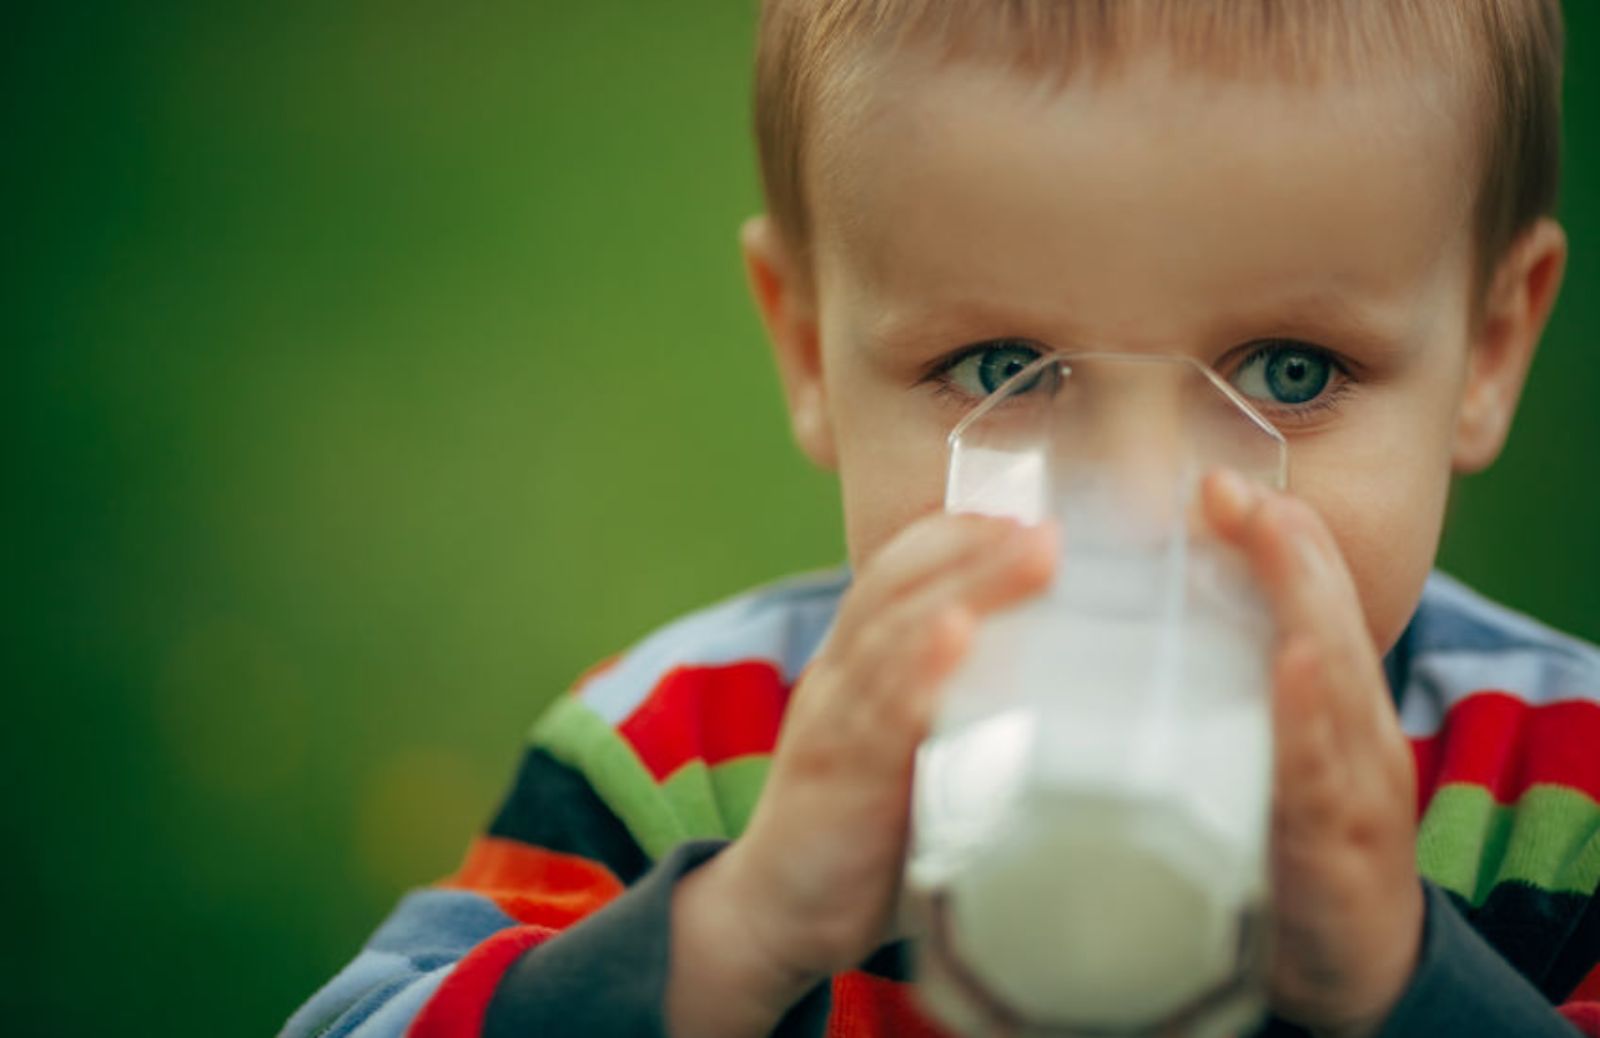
(1582, 1008)
(457, 1009)
(865, 1006)
(1588, 989)
(533, 885)
(1498, 741)
(707, 713)
(1584, 1016)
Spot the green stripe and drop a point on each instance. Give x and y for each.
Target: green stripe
(694, 800)
(715, 802)
(1550, 838)
(579, 738)
(738, 783)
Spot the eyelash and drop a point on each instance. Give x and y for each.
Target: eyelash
(1339, 386)
(937, 373)
(1280, 414)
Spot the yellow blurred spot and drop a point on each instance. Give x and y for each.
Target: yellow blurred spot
(416, 811)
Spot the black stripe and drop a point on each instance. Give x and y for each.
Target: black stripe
(891, 962)
(1553, 939)
(554, 807)
(1581, 954)
(1397, 662)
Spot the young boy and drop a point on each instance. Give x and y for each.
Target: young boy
(1344, 209)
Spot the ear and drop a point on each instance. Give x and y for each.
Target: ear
(785, 294)
(1521, 292)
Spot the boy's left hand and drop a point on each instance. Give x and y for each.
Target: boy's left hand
(1348, 908)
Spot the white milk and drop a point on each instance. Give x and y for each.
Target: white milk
(1091, 810)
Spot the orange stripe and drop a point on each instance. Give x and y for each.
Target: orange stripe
(533, 885)
(865, 1006)
(594, 672)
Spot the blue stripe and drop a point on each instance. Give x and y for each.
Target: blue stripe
(783, 623)
(395, 1015)
(405, 961)
(1454, 618)
(428, 924)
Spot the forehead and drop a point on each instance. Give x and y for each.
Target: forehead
(961, 179)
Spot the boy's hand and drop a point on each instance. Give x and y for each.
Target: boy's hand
(1347, 903)
(811, 887)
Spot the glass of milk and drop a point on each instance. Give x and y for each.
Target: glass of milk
(1089, 820)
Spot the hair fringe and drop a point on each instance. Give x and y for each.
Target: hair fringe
(1514, 46)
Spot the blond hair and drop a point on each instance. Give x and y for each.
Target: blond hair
(1509, 50)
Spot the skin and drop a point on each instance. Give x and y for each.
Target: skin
(1146, 209)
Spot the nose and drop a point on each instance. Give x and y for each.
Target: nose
(1112, 442)
(1121, 425)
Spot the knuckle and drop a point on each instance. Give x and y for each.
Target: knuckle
(1265, 517)
(868, 638)
(1295, 512)
(918, 645)
(1286, 520)
(946, 638)
(911, 714)
(978, 531)
(955, 528)
(1291, 514)
(1034, 567)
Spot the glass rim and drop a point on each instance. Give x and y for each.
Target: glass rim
(1064, 359)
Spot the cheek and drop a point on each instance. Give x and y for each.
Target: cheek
(892, 463)
(1389, 564)
(1381, 482)
(1386, 522)
(879, 504)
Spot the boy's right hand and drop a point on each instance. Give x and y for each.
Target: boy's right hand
(810, 888)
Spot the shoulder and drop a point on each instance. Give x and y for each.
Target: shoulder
(668, 741)
(1503, 713)
(774, 629)
(1453, 617)
(1460, 644)
(672, 737)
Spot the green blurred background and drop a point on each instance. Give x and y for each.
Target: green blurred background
(375, 369)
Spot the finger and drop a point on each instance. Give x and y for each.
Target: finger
(1307, 777)
(1016, 568)
(1309, 588)
(1285, 541)
(920, 553)
(921, 637)
(898, 664)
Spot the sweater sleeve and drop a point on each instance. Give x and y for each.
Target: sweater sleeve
(608, 974)
(664, 746)
(561, 908)
(1462, 987)
(553, 856)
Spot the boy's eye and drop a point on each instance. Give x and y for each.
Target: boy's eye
(1284, 374)
(984, 369)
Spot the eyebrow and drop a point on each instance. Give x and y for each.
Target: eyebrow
(1374, 334)
(963, 321)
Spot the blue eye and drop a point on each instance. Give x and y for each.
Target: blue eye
(1284, 374)
(986, 368)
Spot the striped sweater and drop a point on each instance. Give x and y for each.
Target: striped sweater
(556, 921)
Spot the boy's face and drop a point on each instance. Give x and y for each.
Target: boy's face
(1312, 243)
